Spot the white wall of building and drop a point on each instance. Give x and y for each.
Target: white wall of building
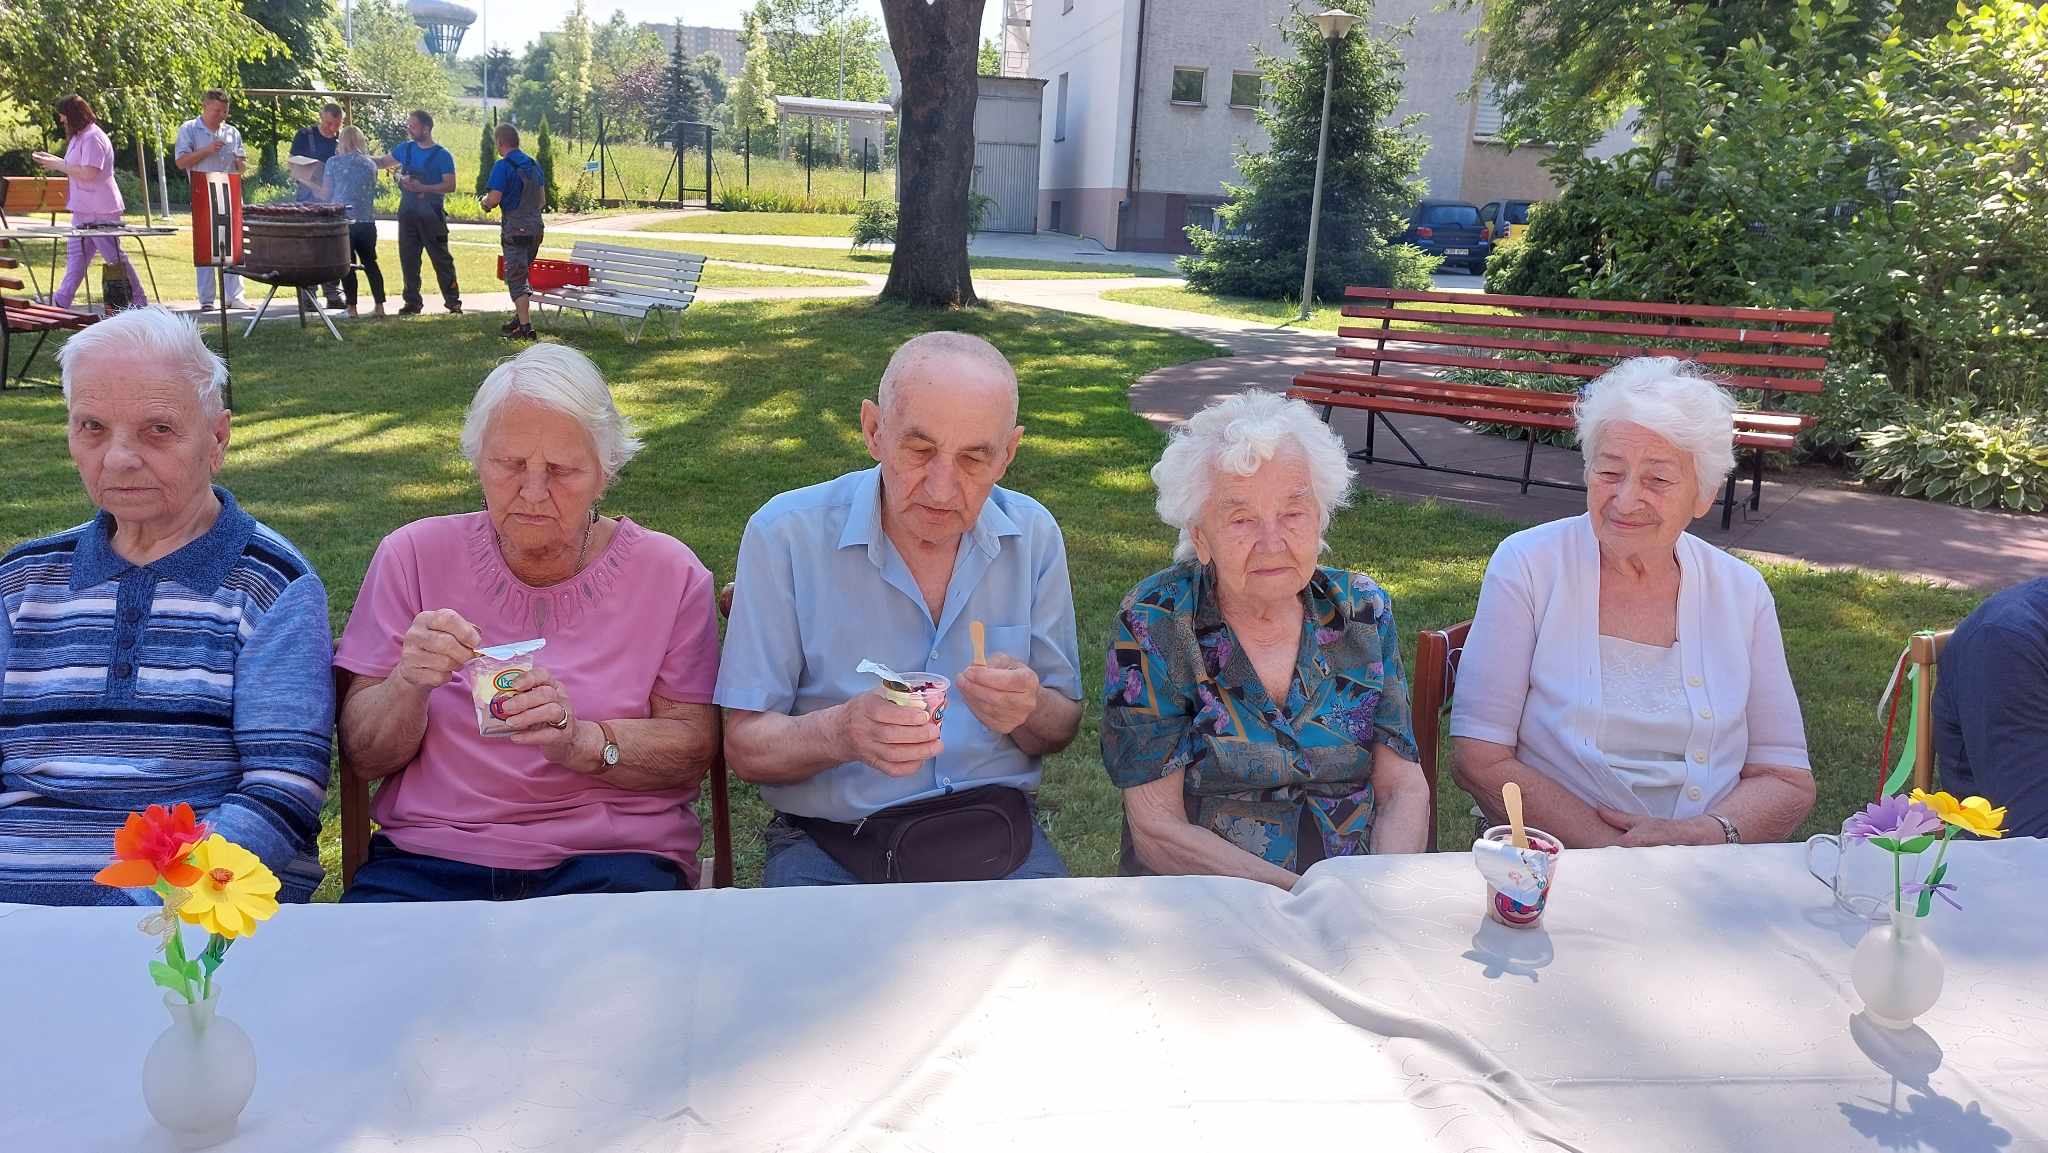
(1090, 45)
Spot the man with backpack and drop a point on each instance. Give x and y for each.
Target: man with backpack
(515, 187)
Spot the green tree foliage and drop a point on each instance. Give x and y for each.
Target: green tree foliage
(544, 158)
(682, 91)
(501, 67)
(569, 79)
(1368, 186)
(752, 98)
(313, 56)
(160, 54)
(531, 94)
(1899, 180)
(820, 48)
(990, 62)
(487, 154)
(711, 75)
(390, 57)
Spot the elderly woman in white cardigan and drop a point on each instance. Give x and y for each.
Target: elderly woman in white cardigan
(1628, 676)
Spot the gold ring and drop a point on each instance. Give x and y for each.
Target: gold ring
(564, 722)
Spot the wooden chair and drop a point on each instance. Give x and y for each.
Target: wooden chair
(1924, 652)
(355, 800)
(1431, 683)
(20, 316)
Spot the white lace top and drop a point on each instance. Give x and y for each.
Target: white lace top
(1645, 724)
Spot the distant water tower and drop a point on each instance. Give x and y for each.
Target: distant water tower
(443, 23)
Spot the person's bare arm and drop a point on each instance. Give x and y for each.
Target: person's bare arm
(187, 161)
(1767, 803)
(382, 720)
(1402, 796)
(1005, 696)
(1050, 727)
(778, 749)
(1482, 767)
(669, 749)
(1167, 844)
(444, 185)
(492, 199)
(83, 172)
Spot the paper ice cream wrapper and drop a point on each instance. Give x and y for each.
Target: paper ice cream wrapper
(1517, 880)
(493, 677)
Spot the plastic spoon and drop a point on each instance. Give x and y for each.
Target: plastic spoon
(1511, 793)
(980, 635)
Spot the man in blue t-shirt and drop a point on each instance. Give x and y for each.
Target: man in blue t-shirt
(516, 187)
(426, 173)
(1991, 707)
(317, 142)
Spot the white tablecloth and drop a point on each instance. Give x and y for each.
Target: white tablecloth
(1676, 999)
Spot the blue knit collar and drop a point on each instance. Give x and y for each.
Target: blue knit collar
(199, 566)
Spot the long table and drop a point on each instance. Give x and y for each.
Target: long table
(1675, 999)
(16, 233)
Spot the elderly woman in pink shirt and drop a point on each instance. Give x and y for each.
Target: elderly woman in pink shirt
(88, 163)
(594, 788)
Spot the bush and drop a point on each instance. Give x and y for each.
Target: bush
(978, 208)
(1533, 382)
(1854, 399)
(740, 199)
(874, 222)
(1979, 460)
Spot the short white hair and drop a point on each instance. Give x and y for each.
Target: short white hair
(1673, 398)
(1236, 435)
(156, 336)
(946, 345)
(563, 379)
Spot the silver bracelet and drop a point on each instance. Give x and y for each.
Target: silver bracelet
(1727, 829)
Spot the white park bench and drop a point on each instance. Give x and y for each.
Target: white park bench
(629, 283)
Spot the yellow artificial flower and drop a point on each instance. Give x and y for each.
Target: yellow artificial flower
(1971, 814)
(235, 890)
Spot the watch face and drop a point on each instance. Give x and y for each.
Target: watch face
(611, 754)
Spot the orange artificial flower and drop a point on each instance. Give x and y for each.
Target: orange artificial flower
(153, 845)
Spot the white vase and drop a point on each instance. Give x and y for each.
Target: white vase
(1897, 971)
(199, 1074)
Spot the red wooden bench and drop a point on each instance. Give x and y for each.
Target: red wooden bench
(21, 316)
(1763, 353)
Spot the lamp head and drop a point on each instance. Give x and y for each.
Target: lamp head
(1335, 24)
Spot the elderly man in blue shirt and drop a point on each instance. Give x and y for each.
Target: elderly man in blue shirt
(896, 564)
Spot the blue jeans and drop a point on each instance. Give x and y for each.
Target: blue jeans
(392, 874)
(793, 858)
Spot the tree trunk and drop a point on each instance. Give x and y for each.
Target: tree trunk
(937, 45)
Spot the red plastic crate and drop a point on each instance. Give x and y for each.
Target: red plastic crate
(543, 275)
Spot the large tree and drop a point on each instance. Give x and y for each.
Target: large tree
(937, 46)
(682, 91)
(142, 63)
(313, 56)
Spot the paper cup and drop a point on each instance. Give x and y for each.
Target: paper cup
(927, 692)
(1507, 911)
(490, 686)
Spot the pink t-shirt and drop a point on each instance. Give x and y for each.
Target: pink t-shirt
(93, 201)
(641, 620)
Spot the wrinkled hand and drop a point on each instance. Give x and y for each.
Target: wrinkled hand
(1638, 831)
(542, 717)
(436, 646)
(887, 736)
(1001, 693)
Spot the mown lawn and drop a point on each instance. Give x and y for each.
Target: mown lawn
(756, 398)
(1323, 318)
(759, 224)
(877, 263)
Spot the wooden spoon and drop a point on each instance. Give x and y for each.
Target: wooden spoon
(1511, 794)
(980, 635)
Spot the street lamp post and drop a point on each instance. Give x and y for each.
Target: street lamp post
(1335, 26)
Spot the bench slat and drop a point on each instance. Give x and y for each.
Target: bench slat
(1606, 327)
(1773, 441)
(1506, 397)
(1622, 307)
(1551, 368)
(1588, 348)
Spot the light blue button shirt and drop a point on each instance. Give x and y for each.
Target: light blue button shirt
(820, 588)
(194, 135)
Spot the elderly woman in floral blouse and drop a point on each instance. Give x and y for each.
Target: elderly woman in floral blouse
(1256, 715)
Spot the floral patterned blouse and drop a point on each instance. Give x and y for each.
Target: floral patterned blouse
(1260, 773)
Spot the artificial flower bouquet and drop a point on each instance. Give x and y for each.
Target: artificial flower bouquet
(203, 879)
(1906, 825)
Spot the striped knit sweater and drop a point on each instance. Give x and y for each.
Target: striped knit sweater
(202, 677)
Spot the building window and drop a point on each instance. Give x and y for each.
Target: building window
(1247, 89)
(1486, 125)
(1188, 84)
(1059, 110)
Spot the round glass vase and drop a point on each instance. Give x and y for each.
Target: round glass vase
(199, 1074)
(1897, 971)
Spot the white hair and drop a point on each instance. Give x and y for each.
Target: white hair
(946, 345)
(1236, 435)
(1672, 398)
(155, 336)
(563, 379)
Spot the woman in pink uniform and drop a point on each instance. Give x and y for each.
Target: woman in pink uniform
(88, 162)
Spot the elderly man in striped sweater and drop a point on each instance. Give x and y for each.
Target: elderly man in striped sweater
(170, 649)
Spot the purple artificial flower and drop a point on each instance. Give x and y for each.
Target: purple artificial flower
(1898, 818)
(1942, 890)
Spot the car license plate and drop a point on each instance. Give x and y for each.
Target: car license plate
(1457, 252)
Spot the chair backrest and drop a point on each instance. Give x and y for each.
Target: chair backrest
(1924, 651)
(355, 799)
(666, 277)
(1430, 684)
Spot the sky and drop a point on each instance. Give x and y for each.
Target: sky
(512, 23)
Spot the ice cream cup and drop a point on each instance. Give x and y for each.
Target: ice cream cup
(927, 692)
(1508, 911)
(491, 683)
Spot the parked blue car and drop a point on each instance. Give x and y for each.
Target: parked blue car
(1450, 229)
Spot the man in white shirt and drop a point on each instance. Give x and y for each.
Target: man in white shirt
(208, 143)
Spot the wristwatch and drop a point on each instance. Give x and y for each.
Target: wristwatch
(610, 756)
(1727, 829)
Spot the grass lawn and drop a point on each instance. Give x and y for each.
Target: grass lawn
(476, 267)
(756, 398)
(1324, 318)
(759, 224)
(848, 260)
